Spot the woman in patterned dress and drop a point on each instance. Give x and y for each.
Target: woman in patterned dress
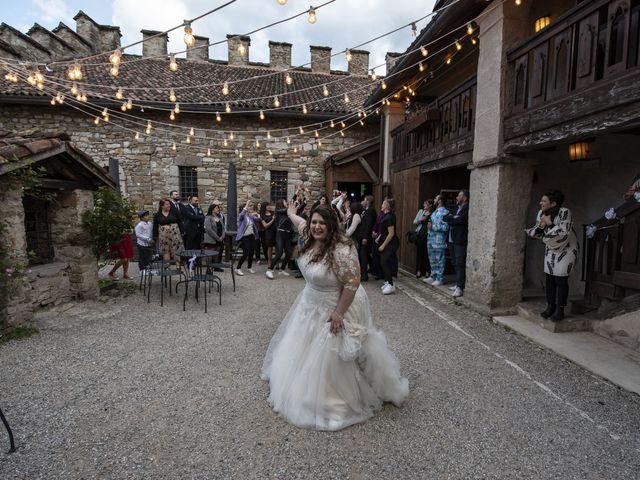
(554, 226)
(437, 242)
(167, 232)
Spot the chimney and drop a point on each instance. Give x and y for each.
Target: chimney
(154, 43)
(391, 58)
(109, 37)
(280, 55)
(200, 51)
(320, 59)
(234, 42)
(88, 29)
(359, 64)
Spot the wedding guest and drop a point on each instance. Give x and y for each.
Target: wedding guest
(167, 232)
(437, 242)
(123, 251)
(423, 268)
(458, 233)
(554, 226)
(354, 222)
(268, 218)
(258, 243)
(388, 243)
(366, 240)
(144, 240)
(193, 224)
(283, 240)
(247, 233)
(214, 230)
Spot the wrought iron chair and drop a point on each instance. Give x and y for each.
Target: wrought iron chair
(165, 270)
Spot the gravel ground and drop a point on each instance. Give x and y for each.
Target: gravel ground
(124, 389)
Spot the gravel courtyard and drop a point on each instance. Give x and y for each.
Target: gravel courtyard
(121, 389)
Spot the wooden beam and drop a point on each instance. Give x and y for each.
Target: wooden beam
(367, 168)
(54, 183)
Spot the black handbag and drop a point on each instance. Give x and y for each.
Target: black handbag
(412, 236)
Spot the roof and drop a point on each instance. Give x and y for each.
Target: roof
(36, 26)
(26, 38)
(8, 48)
(66, 166)
(80, 38)
(354, 152)
(195, 84)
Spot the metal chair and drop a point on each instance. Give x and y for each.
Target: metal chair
(163, 270)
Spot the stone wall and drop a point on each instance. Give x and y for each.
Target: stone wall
(150, 169)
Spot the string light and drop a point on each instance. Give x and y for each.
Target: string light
(474, 41)
(373, 74)
(172, 115)
(301, 130)
(123, 107)
(288, 80)
(192, 132)
(114, 71)
(304, 109)
(231, 136)
(362, 123)
(312, 15)
(137, 136)
(261, 115)
(52, 101)
(346, 98)
(96, 120)
(115, 58)
(172, 96)
(119, 94)
(11, 77)
(75, 73)
(257, 143)
(148, 127)
(227, 108)
(282, 2)
(225, 89)
(384, 85)
(469, 29)
(129, 104)
(189, 39)
(518, 2)
(288, 141)
(341, 133)
(241, 49)
(176, 109)
(270, 152)
(448, 60)
(316, 134)
(74, 89)
(319, 143)
(421, 67)
(208, 152)
(342, 124)
(218, 117)
(188, 139)
(83, 97)
(295, 149)
(276, 102)
(225, 143)
(106, 118)
(325, 91)
(424, 51)
(240, 154)
(348, 55)
(173, 147)
(105, 112)
(333, 125)
(173, 65)
(458, 45)
(268, 134)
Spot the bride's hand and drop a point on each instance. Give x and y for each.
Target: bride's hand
(336, 323)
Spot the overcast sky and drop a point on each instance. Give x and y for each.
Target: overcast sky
(342, 24)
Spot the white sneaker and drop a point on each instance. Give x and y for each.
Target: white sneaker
(453, 289)
(384, 285)
(388, 289)
(239, 272)
(282, 272)
(436, 283)
(269, 274)
(427, 280)
(251, 270)
(457, 292)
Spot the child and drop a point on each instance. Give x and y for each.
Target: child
(144, 240)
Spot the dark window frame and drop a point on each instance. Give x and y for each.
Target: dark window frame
(188, 181)
(278, 186)
(37, 226)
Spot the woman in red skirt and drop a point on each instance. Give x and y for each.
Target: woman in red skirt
(123, 251)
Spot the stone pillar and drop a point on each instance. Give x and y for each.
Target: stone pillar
(279, 55)
(200, 51)
(234, 42)
(359, 64)
(155, 43)
(72, 244)
(391, 116)
(320, 59)
(500, 186)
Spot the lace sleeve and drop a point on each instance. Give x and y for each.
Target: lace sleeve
(347, 267)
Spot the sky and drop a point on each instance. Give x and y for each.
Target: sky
(342, 24)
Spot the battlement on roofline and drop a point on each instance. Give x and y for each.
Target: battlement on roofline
(89, 37)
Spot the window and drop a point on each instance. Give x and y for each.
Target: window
(37, 230)
(279, 182)
(188, 182)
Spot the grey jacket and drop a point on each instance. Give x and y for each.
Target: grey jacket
(210, 232)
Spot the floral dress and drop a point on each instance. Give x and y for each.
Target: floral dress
(437, 243)
(560, 243)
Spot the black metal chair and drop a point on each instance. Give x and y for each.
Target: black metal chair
(226, 265)
(165, 270)
(200, 271)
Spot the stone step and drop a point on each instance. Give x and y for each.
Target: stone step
(531, 312)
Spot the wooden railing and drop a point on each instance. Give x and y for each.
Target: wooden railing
(595, 41)
(445, 120)
(611, 260)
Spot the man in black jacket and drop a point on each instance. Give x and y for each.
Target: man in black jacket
(365, 239)
(193, 218)
(458, 233)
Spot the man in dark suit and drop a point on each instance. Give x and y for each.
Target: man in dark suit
(365, 239)
(458, 233)
(193, 218)
(176, 206)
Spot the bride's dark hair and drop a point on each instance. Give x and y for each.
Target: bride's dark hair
(335, 235)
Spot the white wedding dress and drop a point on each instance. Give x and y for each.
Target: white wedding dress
(324, 381)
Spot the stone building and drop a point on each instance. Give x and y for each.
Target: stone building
(190, 153)
(49, 232)
(512, 100)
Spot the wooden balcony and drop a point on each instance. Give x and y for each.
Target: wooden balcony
(438, 135)
(578, 75)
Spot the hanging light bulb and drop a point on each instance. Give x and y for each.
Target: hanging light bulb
(360, 114)
(227, 108)
(301, 130)
(268, 134)
(52, 101)
(119, 94)
(304, 109)
(316, 134)
(172, 115)
(518, 2)
(38, 76)
(231, 136)
(346, 98)
(192, 132)
(373, 74)
(96, 120)
(474, 41)
(123, 107)
(261, 115)
(225, 143)
(282, 2)
(173, 147)
(333, 125)
(295, 149)
(31, 80)
(74, 89)
(189, 39)
(469, 29)
(83, 97)
(188, 139)
(105, 112)
(270, 152)
(325, 91)
(137, 136)
(276, 102)
(129, 104)
(421, 67)
(362, 123)
(106, 118)
(176, 109)
(288, 79)
(241, 49)
(218, 117)
(348, 55)
(458, 45)
(319, 143)
(342, 124)
(448, 60)
(172, 96)
(225, 89)
(115, 58)
(60, 98)
(384, 85)
(312, 16)
(424, 51)
(173, 65)
(114, 71)
(342, 133)
(257, 143)
(208, 152)
(148, 127)
(240, 154)
(288, 141)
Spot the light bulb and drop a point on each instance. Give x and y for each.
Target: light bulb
(240, 155)
(276, 102)
(119, 94)
(288, 80)
(261, 115)
(189, 39)
(342, 124)
(218, 117)
(106, 119)
(225, 143)
(227, 108)
(373, 75)
(421, 67)
(301, 130)
(129, 104)
(173, 65)
(474, 41)
(295, 149)
(282, 2)
(312, 16)
(225, 89)
(208, 152)
(319, 143)
(231, 136)
(346, 98)
(348, 55)
(52, 101)
(114, 71)
(172, 96)
(78, 71)
(96, 120)
(115, 58)
(362, 123)
(518, 2)
(458, 45)
(257, 143)
(316, 133)
(176, 109)
(383, 86)
(172, 115)
(173, 147)
(105, 112)
(40, 86)
(424, 51)
(123, 107)
(38, 76)
(83, 97)
(31, 80)
(288, 141)
(268, 134)
(341, 133)
(148, 127)
(188, 139)
(448, 61)
(270, 152)
(241, 49)
(333, 125)
(74, 89)
(192, 132)
(137, 137)
(325, 91)
(304, 109)
(469, 29)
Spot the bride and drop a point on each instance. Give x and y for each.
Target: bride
(327, 365)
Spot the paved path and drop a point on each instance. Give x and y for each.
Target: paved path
(123, 389)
